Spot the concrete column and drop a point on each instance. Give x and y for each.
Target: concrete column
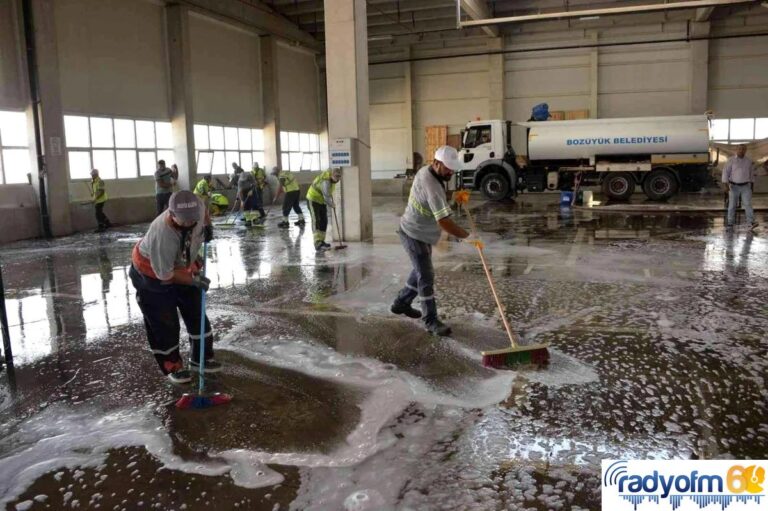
(496, 79)
(322, 111)
(182, 115)
(594, 66)
(346, 57)
(698, 73)
(408, 107)
(56, 169)
(270, 97)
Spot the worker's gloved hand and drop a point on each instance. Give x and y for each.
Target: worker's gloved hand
(461, 197)
(208, 233)
(201, 282)
(331, 204)
(475, 241)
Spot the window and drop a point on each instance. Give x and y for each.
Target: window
(477, 136)
(228, 145)
(119, 148)
(300, 151)
(15, 158)
(733, 131)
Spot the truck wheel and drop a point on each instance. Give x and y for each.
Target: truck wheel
(619, 185)
(660, 184)
(495, 186)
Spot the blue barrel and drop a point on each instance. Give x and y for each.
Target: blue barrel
(566, 198)
(540, 112)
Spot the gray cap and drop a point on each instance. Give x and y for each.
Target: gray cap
(185, 206)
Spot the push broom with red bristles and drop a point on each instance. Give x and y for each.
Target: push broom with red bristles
(201, 400)
(515, 355)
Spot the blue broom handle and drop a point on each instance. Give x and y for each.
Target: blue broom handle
(201, 379)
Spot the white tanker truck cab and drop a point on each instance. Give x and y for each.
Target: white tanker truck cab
(662, 154)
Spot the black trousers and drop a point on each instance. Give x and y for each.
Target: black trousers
(319, 213)
(291, 200)
(161, 201)
(161, 305)
(101, 218)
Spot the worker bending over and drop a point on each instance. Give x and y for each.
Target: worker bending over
(203, 189)
(290, 186)
(319, 199)
(166, 275)
(99, 198)
(246, 194)
(426, 214)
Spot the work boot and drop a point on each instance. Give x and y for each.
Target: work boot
(284, 224)
(100, 229)
(321, 247)
(248, 223)
(326, 246)
(439, 328)
(300, 222)
(405, 309)
(211, 366)
(176, 372)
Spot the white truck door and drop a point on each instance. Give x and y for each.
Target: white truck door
(479, 146)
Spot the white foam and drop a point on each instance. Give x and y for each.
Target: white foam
(60, 438)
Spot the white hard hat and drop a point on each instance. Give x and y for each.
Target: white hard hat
(448, 156)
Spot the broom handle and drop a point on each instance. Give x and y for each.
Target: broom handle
(493, 287)
(201, 368)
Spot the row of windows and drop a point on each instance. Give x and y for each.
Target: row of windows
(128, 148)
(119, 148)
(299, 151)
(15, 158)
(731, 131)
(218, 147)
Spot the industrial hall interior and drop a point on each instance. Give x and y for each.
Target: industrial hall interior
(380, 255)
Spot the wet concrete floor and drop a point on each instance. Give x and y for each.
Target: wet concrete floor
(657, 325)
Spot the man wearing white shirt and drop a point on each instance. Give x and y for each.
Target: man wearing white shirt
(738, 177)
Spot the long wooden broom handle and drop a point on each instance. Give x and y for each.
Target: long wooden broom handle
(493, 287)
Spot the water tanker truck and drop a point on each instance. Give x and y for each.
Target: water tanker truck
(663, 155)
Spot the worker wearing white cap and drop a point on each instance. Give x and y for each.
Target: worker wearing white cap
(166, 275)
(426, 215)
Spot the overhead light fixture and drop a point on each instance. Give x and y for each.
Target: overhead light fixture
(589, 18)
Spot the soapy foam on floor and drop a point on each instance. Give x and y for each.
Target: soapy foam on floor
(60, 438)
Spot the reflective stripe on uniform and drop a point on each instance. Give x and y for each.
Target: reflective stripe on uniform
(165, 352)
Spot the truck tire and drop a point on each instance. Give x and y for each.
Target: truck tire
(660, 185)
(495, 186)
(619, 185)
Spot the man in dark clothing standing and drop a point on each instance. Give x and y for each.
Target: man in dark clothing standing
(163, 186)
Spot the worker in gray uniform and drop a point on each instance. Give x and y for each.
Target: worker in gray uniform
(165, 271)
(426, 216)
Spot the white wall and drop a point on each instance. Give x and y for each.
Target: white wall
(390, 125)
(644, 80)
(738, 77)
(112, 58)
(448, 92)
(13, 93)
(226, 77)
(297, 78)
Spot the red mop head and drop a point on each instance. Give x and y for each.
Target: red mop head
(536, 355)
(198, 402)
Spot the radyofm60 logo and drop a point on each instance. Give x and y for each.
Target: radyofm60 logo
(738, 485)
